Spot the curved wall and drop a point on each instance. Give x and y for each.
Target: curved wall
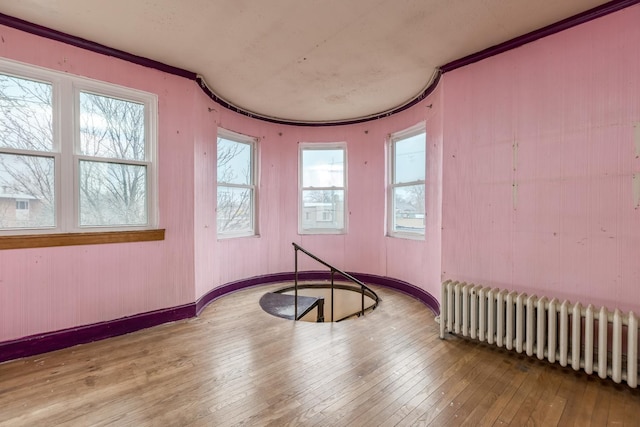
(57, 288)
(364, 247)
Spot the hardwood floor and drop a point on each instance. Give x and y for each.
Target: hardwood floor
(237, 365)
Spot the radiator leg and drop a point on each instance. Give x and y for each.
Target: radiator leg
(443, 308)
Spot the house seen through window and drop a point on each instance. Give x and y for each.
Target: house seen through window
(406, 195)
(322, 188)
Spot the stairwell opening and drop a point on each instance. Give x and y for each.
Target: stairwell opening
(319, 302)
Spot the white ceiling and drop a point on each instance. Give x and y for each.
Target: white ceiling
(302, 60)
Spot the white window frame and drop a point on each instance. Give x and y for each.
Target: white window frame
(303, 146)
(392, 185)
(66, 146)
(252, 186)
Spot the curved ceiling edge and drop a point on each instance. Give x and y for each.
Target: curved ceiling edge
(433, 83)
(38, 30)
(89, 45)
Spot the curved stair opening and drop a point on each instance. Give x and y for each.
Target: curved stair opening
(320, 302)
(334, 300)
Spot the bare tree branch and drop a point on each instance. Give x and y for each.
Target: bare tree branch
(234, 203)
(111, 193)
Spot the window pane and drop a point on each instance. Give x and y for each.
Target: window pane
(27, 197)
(235, 208)
(25, 114)
(234, 162)
(409, 161)
(112, 194)
(323, 168)
(408, 204)
(111, 128)
(322, 209)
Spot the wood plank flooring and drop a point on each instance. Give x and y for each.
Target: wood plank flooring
(236, 365)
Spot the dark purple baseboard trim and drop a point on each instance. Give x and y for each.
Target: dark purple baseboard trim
(405, 287)
(266, 279)
(56, 340)
(370, 279)
(581, 18)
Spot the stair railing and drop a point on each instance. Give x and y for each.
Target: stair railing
(363, 288)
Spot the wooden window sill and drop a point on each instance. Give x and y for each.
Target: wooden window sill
(25, 241)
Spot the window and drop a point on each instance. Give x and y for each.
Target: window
(322, 188)
(406, 196)
(76, 154)
(22, 211)
(112, 162)
(326, 216)
(236, 206)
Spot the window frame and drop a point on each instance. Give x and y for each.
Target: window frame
(393, 139)
(320, 146)
(253, 186)
(65, 151)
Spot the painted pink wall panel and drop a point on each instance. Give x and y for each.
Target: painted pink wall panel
(204, 174)
(418, 261)
(54, 288)
(364, 247)
(552, 208)
(366, 186)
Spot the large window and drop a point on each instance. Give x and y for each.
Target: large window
(406, 194)
(236, 209)
(75, 154)
(322, 188)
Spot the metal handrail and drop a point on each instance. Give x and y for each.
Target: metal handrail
(333, 270)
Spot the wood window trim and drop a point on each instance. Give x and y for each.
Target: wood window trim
(25, 241)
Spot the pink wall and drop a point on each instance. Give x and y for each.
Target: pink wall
(49, 289)
(540, 156)
(364, 248)
(533, 183)
(55, 288)
(531, 159)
